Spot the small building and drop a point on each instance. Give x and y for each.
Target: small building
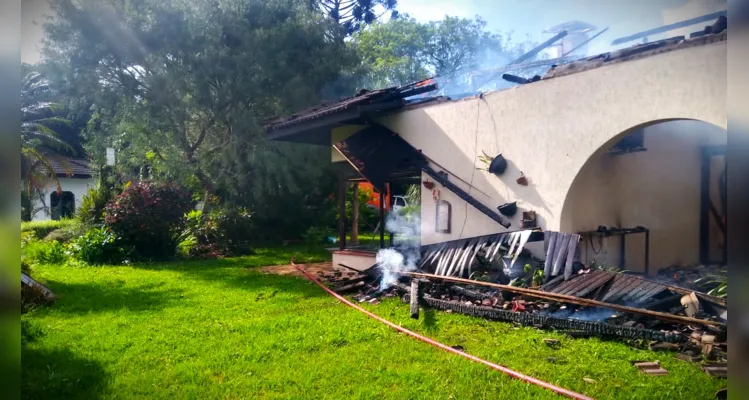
(75, 178)
(626, 149)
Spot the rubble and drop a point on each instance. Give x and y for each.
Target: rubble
(650, 314)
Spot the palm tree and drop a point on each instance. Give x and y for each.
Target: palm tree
(40, 142)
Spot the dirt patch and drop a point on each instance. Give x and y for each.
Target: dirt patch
(319, 270)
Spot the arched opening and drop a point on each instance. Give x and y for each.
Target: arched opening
(665, 176)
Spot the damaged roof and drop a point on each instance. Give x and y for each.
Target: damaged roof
(313, 125)
(365, 103)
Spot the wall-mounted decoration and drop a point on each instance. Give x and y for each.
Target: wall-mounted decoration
(523, 181)
(443, 217)
(427, 184)
(496, 165)
(508, 209)
(529, 220)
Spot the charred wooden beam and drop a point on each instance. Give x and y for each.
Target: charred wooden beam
(465, 196)
(572, 300)
(415, 295)
(350, 287)
(471, 294)
(593, 328)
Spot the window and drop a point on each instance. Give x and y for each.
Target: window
(400, 202)
(629, 144)
(62, 205)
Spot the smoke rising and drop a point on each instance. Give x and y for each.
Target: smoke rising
(405, 255)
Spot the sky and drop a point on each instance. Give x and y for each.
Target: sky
(526, 19)
(529, 18)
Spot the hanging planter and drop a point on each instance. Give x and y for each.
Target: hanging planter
(496, 165)
(508, 209)
(523, 181)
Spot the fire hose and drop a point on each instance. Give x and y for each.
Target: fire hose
(505, 370)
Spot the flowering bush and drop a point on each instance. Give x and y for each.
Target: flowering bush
(145, 217)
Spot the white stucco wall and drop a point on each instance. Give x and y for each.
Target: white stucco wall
(78, 186)
(549, 130)
(659, 189)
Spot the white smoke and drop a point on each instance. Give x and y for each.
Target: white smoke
(405, 255)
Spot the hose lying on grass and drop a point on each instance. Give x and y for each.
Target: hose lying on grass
(514, 374)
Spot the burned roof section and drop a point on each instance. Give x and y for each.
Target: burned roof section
(351, 109)
(633, 53)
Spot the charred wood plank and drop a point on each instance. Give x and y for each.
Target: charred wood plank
(465, 196)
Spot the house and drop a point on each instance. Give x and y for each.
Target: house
(626, 149)
(75, 177)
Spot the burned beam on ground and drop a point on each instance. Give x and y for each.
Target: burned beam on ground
(347, 288)
(593, 328)
(467, 293)
(572, 300)
(465, 196)
(415, 295)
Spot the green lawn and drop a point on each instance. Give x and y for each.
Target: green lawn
(218, 330)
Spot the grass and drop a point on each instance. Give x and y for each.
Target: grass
(221, 329)
(40, 229)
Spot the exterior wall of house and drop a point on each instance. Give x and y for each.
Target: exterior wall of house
(659, 188)
(551, 128)
(78, 186)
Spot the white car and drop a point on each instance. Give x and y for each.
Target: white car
(399, 202)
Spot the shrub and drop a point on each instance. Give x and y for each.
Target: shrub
(224, 232)
(98, 246)
(60, 235)
(36, 252)
(91, 210)
(40, 229)
(146, 216)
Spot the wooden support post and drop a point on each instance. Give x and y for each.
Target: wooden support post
(415, 298)
(341, 209)
(355, 215)
(382, 220)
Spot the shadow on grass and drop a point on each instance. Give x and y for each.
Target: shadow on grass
(60, 374)
(244, 273)
(91, 297)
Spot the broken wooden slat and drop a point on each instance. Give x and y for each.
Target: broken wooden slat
(601, 280)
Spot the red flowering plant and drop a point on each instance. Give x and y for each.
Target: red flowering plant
(147, 216)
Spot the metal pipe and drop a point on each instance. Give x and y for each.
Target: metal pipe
(666, 28)
(505, 370)
(647, 252)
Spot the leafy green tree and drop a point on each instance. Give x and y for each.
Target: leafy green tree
(183, 89)
(404, 50)
(353, 15)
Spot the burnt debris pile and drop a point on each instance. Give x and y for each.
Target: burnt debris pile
(650, 313)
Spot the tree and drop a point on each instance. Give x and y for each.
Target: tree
(184, 88)
(40, 140)
(404, 50)
(353, 15)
